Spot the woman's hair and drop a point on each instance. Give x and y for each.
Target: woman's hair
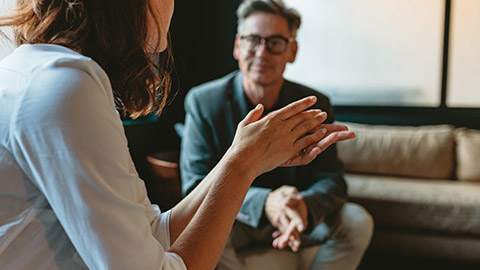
(248, 7)
(111, 32)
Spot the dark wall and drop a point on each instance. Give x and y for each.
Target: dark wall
(202, 36)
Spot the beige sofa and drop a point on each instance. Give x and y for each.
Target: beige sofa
(421, 185)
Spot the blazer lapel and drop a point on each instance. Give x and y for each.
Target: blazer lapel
(236, 107)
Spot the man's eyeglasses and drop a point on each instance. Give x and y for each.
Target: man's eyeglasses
(274, 44)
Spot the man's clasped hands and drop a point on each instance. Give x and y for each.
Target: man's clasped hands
(286, 210)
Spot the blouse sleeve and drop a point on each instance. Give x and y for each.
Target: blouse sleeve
(70, 142)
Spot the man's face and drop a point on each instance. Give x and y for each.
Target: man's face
(260, 66)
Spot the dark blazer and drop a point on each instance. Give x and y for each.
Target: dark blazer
(213, 111)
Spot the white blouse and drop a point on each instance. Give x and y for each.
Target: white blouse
(70, 197)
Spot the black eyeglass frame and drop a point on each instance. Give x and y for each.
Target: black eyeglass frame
(265, 40)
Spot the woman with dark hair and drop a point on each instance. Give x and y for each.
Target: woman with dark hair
(70, 197)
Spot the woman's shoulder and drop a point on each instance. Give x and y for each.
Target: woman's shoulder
(53, 62)
(57, 71)
(57, 82)
(29, 57)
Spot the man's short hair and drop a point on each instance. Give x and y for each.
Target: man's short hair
(248, 7)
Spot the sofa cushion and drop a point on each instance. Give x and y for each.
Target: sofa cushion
(468, 154)
(449, 207)
(426, 151)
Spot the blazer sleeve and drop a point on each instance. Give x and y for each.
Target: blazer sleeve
(252, 209)
(197, 156)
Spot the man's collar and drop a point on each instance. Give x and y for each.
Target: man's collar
(245, 103)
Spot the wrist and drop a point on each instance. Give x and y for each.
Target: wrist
(241, 164)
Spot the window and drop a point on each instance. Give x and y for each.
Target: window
(371, 52)
(463, 87)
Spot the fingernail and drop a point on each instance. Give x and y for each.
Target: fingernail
(313, 98)
(324, 130)
(258, 106)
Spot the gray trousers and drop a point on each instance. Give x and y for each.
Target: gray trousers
(343, 239)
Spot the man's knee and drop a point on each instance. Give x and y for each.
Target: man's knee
(359, 224)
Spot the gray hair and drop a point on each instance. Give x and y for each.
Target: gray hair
(248, 7)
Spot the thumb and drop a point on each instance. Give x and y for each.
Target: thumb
(253, 115)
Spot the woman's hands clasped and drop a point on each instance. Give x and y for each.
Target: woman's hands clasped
(289, 136)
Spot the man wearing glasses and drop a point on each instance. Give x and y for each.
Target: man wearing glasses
(289, 207)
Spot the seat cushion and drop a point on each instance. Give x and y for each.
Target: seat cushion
(426, 151)
(428, 205)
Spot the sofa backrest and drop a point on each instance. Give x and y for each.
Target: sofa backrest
(426, 151)
(468, 154)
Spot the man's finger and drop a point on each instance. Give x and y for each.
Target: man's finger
(283, 222)
(285, 238)
(295, 218)
(294, 199)
(294, 243)
(276, 234)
